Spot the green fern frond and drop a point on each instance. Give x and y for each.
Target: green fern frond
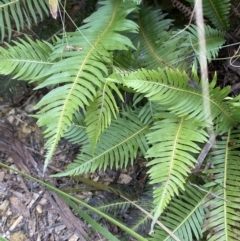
(184, 216)
(101, 110)
(172, 140)
(20, 13)
(157, 49)
(26, 59)
(82, 72)
(214, 40)
(171, 89)
(76, 132)
(118, 146)
(216, 11)
(222, 220)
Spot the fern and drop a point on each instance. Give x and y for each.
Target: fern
(157, 47)
(83, 73)
(115, 149)
(26, 60)
(170, 154)
(173, 91)
(217, 12)
(76, 133)
(110, 204)
(101, 111)
(21, 13)
(214, 40)
(126, 90)
(223, 218)
(184, 216)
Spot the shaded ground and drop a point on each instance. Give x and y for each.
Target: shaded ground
(27, 210)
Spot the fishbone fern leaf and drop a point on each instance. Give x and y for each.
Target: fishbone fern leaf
(214, 40)
(26, 60)
(82, 72)
(101, 111)
(222, 221)
(217, 12)
(157, 49)
(172, 89)
(21, 12)
(172, 140)
(76, 132)
(184, 216)
(118, 146)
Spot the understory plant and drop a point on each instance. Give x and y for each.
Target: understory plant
(124, 85)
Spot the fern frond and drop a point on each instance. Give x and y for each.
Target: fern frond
(222, 220)
(101, 111)
(26, 59)
(214, 40)
(117, 147)
(82, 72)
(172, 89)
(217, 12)
(20, 13)
(157, 49)
(184, 216)
(172, 140)
(76, 132)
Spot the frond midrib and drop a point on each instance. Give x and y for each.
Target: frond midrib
(191, 93)
(115, 146)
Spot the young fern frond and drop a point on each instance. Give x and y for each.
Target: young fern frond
(184, 216)
(172, 90)
(20, 13)
(82, 72)
(26, 59)
(101, 111)
(118, 146)
(223, 218)
(172, 140)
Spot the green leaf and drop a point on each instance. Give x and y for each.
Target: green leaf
(184, 216)
(118, 147)
(172, 89)
(217, 12)
(157, 48)
(214, 40)
(82, 72)
(173, 142)
(101, 111)
(222, 220)
(26, 59)
(76, 132)
(17, 13)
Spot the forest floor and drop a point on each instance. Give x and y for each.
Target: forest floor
(28, 211)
